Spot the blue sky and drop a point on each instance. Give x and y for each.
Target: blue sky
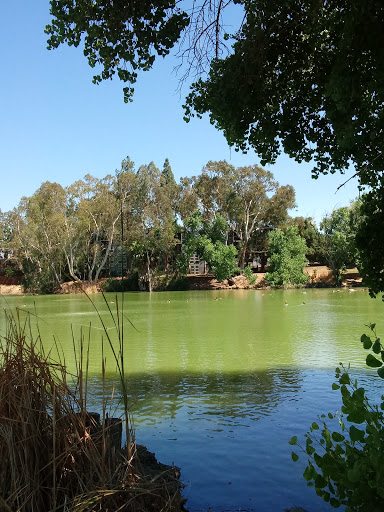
(56, 125)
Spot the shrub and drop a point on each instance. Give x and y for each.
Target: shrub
(250, 276)
(128, 284)
(345, 465)
(286, 258)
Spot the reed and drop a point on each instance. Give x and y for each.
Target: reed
(56, 455)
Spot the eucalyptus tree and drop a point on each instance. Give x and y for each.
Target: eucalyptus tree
(38, 228)
(248, 198)
(152, 217)
(97, 213)
(188, 199)
(339, 230)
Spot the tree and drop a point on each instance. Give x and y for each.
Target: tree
(151, 216)
(369, 240)
(304, 77)
(339, 240)
(38, 227)
(208, 241)
(312, 236)
(97, 213)
(247, 197)
(286, 258)
(122, 37)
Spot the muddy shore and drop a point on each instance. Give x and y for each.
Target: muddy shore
(319, 276)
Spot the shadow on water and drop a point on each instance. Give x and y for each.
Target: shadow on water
(229, 432)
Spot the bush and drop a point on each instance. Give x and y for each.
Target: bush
(345, 464)
(286, 258)
(250, 276)
(128, 284)
(178, 284)
(9, 272)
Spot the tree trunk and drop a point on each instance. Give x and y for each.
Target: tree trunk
(149, 274)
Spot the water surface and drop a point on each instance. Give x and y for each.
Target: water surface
(220, 380)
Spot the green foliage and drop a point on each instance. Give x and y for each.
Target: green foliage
(376, 358)
(9, 272)
(313, 238)
(251, 278)
(37, 279)
(339, 230)
(221, 258)
(128, 284)
(304, 77)
(345, 453)
(248, 198)
(178, 284)
(369, 240)
(122, 37)
(286, 258)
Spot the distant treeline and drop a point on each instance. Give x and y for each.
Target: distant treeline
(141, 221)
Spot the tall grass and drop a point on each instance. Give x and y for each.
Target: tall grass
(54, 454)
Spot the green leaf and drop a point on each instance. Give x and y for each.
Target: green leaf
(315, 426)
(373, 362)
(309, 473)
(380, 372)
(310, 450)
(337, 437)
(334, 503)
(357, 415)
(327, 437)
(335, 386)
(354, 474)
(295, 457)
(356, 434)
(376, 347)
(366, 341)
(320, 482)
(330, 416)
(293, 441)
(344, 379)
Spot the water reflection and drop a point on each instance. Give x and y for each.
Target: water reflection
(219, 386)
(228, 432)
(227, 397)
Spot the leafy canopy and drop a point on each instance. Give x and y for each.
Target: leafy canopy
(339, 230)
(304, 77)
(207, 240)
(286, 258)
(122, 37)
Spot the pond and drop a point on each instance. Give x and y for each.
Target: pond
(221, 380)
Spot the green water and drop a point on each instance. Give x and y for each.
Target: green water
(220, 380)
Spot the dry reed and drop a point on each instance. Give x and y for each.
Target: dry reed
(55, 455)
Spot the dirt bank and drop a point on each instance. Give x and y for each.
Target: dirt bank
(11, 289)
(318, 276)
